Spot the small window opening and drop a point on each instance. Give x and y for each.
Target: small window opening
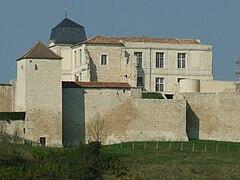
(24, 130)
(169, 96)
(179, 79)
(124, 91)
(36, 67)
(76, 78)
(43, 141)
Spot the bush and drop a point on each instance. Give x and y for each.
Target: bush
(82, 162)
(152, 95)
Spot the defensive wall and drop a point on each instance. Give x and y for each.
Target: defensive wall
(6, 97)
(213, 116)
(123, 114)
(204, 86)
(10, 122)
(212, 109)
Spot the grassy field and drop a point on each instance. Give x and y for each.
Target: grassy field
(176, 160)
(133, 160)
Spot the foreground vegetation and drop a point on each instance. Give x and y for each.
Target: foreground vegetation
(134, 160)
(82, 162)
(177, 160)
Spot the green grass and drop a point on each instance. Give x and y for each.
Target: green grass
(208, 159)
(141, 160)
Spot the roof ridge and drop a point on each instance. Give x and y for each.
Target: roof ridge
(118, 40)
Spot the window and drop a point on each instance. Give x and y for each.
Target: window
(181, 60)
(138, 58)
(43, 141)
(159, 60)
(159, 84)
(35, 67)
(80, 56)
(140, 81)
(179, 79)
(75, 58)
(76, 77)
(103, 59)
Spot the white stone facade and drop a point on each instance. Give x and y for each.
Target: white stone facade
(83, 62)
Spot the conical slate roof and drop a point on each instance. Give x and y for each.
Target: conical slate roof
(68, 32)
(40, 51)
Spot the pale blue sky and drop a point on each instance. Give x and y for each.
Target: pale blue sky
(215, 22)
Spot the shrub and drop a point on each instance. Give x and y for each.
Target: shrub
(152, 95)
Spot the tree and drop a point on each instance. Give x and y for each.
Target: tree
(96, 129)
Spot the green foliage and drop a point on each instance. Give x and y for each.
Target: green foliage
(144, 160)
(111, 165)
(151, 95)
(27, 162)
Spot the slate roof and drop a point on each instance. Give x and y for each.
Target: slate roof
(67, 23)
(121, 40)
(76, 84)
(68, 32)
(40, 51)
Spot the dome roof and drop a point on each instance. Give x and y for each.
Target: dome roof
(68, 32)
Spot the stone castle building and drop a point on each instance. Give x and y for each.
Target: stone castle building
(150, 63)
(66, 90)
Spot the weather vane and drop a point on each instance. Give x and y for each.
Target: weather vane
(65, 11)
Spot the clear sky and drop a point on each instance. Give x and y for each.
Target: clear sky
(215, 22)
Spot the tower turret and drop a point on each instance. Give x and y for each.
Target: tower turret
(39, 94)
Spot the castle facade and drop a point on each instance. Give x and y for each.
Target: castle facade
(77, 89)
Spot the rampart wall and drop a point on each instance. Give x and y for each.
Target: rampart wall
(6, 97)
(213, 116)
(125, 118)
(12, 123)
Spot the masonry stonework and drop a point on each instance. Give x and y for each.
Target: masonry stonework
(213, 116)
(125, 118)
(43, 80)
(6, 98)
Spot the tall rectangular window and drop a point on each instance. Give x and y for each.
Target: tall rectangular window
(80, 56)
(159, 60)
(159, 84)
(75, 58)
(103, 59)
(138, 58)
(181, 60)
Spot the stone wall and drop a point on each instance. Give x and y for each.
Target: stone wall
(6, 98)
(213, 116)
(66, 52)
(39, 81)
(217, 86)
(147, 120)
(124, 117)
(12, 123)
(105, 73)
